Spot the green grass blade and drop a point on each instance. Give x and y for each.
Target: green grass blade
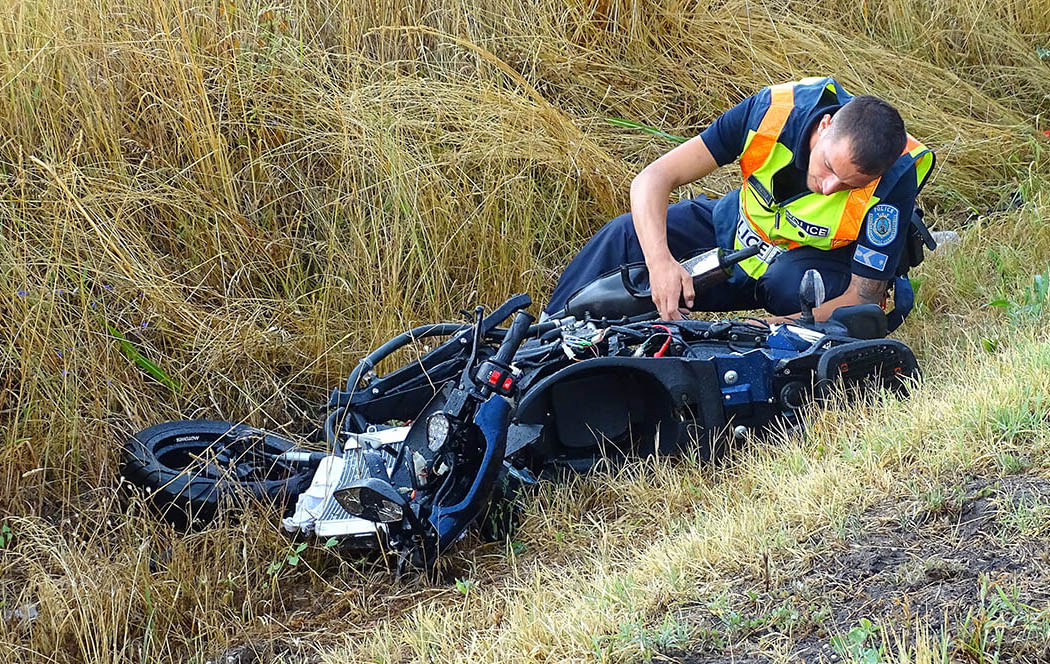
(630, 124)
(145, 363)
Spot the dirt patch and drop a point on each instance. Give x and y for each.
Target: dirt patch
(968, 564)
(267, 652)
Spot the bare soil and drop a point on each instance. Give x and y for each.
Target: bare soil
(969, 564)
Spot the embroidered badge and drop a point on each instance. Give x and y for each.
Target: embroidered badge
(882, 224)
(873, 259)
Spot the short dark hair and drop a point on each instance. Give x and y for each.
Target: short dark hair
(875, 130)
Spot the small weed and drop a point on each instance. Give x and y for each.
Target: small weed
(785, 617)
(1017, 422)
(136, 356)
(621, 591)
(1027, 520)
(291, 558)
(630, 124)
(736, 623)
(981, 638)
(671, 634)
(678, 580)
(1000, 623)
(1032, 306)
(704, 638)
(844, 526)
(940, 499)
(1034, 624)
(1013, 464)
(857, 644)
(6, 536)
(464, 586)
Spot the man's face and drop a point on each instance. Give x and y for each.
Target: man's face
(831, 167)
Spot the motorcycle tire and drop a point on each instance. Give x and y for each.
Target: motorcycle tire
(190, 467)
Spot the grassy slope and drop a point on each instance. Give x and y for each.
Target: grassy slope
(255, 194)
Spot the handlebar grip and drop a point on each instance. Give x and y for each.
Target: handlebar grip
(515, 335)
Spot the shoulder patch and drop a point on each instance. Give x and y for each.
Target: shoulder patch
(876, 260)
(883, 220)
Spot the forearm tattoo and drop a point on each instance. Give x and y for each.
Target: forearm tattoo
(869, 290)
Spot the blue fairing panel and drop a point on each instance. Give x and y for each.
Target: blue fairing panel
(451, 520)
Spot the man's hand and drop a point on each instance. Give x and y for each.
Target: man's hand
(670, 284)
(650, 190)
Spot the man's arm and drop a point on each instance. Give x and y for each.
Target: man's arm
(861, 290)
(650, 190)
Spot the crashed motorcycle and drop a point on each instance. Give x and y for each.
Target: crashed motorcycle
(418, 456)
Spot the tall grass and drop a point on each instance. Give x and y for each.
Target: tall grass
(253, 194)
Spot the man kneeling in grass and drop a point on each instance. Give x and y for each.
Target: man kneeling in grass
(829, 183)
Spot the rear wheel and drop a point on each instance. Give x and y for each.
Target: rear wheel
(189, 467)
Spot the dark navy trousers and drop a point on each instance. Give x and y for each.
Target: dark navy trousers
(690, 230)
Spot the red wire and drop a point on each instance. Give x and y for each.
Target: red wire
(663, 349)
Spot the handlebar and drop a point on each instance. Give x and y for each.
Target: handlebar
(517, 332)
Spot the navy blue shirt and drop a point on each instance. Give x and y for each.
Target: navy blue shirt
(881, 240)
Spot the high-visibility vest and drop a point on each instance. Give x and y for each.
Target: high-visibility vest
(809, 219)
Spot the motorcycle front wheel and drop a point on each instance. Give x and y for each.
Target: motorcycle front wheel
(188, 468)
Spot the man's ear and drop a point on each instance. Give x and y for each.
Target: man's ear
(825, 123)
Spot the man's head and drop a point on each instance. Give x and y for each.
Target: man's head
(855, 146)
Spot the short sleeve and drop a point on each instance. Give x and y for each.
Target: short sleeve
(885, 230)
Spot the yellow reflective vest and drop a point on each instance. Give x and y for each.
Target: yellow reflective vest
(809, 219)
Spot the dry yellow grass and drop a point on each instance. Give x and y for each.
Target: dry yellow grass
(256, 193)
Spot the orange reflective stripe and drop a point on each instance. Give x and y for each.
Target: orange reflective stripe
(782, 101)
(854, 211)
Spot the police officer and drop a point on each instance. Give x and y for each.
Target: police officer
(828, 182)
